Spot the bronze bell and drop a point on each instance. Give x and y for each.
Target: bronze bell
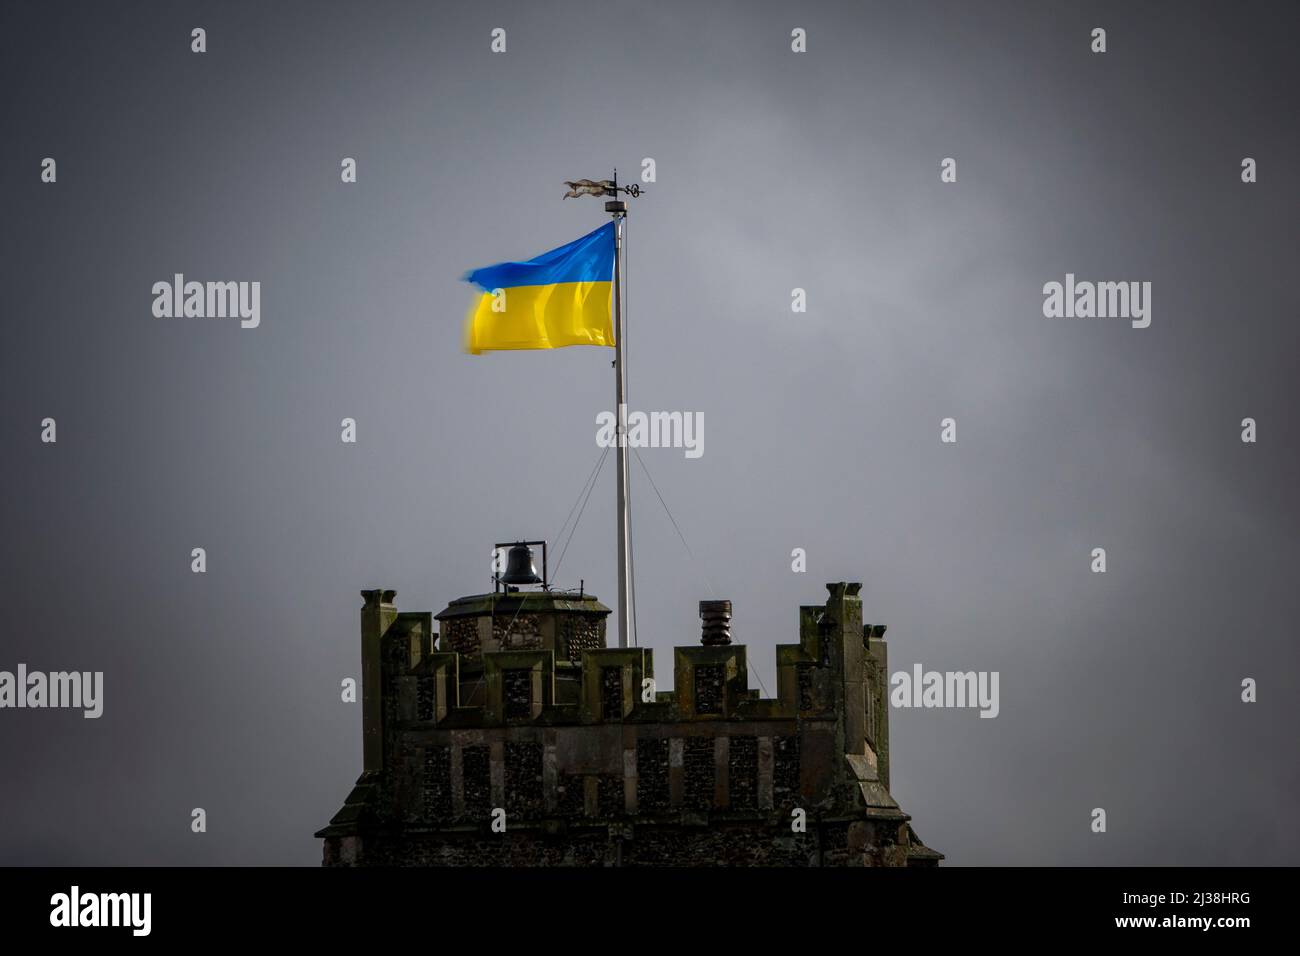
(519, 566)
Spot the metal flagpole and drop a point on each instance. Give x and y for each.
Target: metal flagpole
(618, 208)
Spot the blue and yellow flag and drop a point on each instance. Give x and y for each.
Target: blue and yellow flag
(562, 297)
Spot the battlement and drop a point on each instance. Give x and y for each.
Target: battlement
(517, 714)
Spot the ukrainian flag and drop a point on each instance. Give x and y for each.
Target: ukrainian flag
(562, 297)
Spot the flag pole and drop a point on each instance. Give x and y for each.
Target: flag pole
(618, 209)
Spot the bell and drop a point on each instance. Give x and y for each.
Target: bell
(519, 567)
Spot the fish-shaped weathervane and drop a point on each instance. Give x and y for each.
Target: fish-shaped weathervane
(589, 187)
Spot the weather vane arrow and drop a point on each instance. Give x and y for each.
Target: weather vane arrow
(599, 187)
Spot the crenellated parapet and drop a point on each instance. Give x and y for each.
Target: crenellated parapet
(546, 727)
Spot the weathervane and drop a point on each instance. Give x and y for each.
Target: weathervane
(599, 187)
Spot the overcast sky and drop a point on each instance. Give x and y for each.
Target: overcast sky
(775, 170)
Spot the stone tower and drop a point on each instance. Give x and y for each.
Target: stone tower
(522, 740)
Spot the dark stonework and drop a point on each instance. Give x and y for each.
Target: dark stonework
(518, 693)
(569, 795)
(583, 634)
(652, 786)
(742, 773)
(700, 772)
(436, 784)
(424, 699)
(805, 675)
(609, 796)
(785, 773)
(611, 693)
(708, 688)
(523, 780)
(461, 637)
(476, 771)
(713, 769)
(518, 632)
